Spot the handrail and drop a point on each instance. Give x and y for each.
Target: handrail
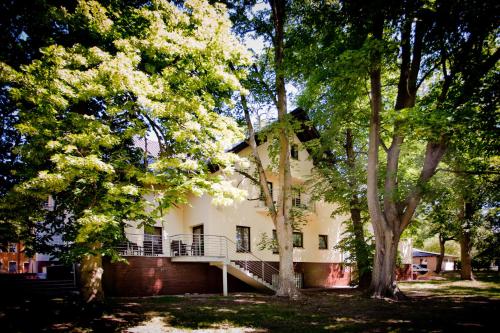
(141, 245)
(223, 247)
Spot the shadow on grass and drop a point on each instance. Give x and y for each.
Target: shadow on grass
(318, 311)
(322, 311)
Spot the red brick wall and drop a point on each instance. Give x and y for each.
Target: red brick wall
(323, 275)
(19, 257)
(144, 276)
(404, 273)
(431, 262)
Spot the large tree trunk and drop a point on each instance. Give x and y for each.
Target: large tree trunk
(382, 284)
(439, 264)
(284, 227)
(465, 215)
(286, 285)
(465, 256)
(362, 256)
(361, 249)
(389, 223)
(91, 278)
(384, 274)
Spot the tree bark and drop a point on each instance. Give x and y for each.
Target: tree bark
(465, 215)
(442, 242)
(284, 227)
(389, 222)
(91, 278)
(386, 241)
(362, 257)
(383, 282)
(465, 256)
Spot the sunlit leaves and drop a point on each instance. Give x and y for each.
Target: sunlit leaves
(156, 69)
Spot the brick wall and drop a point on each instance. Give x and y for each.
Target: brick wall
(18, 257)
(144, 276)
(323, 275)
(404, 273)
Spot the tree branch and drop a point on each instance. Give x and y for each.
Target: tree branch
(249, 176)
(264, 84)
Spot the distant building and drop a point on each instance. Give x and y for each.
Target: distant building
(429, 260)
(14, 260)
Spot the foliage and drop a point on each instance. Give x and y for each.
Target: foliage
(349, 245)
(148, 68)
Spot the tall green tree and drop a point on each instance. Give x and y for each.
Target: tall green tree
(438, 215)
(431, 71)
(334, 94)
(138, 69)
(443, 56)
(267, 82)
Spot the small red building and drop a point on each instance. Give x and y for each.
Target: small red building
(429, 260)
(14, 260)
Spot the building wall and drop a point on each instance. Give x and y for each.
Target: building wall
(323, 275)
(18, 257)
(222, 220)
(148, 276)
(431, 262)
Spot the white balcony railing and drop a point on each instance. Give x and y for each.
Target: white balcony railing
(142, 245)
(203, 247)
(215, 246)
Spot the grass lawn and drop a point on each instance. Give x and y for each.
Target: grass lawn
(433, 306)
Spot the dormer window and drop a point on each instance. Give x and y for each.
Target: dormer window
(294, 151)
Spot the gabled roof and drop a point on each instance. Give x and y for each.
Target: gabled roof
(422, 253)
(306, 132)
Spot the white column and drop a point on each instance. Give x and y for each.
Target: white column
(224, 279)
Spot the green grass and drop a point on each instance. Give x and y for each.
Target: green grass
(486, 285)
(437, 306)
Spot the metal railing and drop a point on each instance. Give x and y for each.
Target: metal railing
(141, 245)
(224, 248)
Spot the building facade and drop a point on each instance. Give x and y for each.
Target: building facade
(202, 248)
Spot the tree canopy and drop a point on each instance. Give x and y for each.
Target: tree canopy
(146, 69)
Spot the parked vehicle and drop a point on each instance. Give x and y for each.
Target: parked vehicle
(419, 269)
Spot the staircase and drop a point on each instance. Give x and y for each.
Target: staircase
(220, 251)
(254, 280)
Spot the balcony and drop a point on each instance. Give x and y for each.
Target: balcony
(143, 245)
(213, 249)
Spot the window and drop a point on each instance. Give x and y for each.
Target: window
(275, 241)
(242, 239)
(298, 239)
(323, 242)
(294, 151)
(296, 198)
(12, 267)
(26, 267)
(12, 247)
(270, 187)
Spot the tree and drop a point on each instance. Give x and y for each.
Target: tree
(439, 214)
(146, 68)
(268, 81)
(440, 47)
(477, 199)
(335, 96)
